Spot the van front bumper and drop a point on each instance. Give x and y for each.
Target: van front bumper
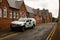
(16, 27)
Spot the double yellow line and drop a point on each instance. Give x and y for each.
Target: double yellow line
(51, 33)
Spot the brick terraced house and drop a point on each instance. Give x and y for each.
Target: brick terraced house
(11, 10)
(30, 11)
(41, 16)
(34, 13)
(46, 15)
(37, 16)
(50, 17)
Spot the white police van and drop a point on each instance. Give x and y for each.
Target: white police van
(23, 23)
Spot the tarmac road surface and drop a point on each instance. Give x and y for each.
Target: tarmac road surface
(40, 32)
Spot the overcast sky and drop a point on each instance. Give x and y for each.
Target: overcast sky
(52, 5)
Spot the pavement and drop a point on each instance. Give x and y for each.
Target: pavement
(40, 32)
(56, 35)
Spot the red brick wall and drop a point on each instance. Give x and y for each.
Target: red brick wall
(38, 18)
(47, 19)
(23, 9)
(5, 22)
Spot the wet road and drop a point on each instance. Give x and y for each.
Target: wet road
(40, 32)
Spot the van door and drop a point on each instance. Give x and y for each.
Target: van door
(28, 23)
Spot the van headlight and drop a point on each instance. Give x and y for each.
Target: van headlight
(21, 24)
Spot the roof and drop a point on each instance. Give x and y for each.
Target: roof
(44, 12)
(50, 14)
(18, 4)
(40, 12)
(36, 10)
(15, 4)
(29, 9)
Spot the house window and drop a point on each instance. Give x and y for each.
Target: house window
(14, 14)
(0, 0)
(21, 14)
(0, 12)
(5, 12)
(25, 15)
(10, 14)
(17, 15)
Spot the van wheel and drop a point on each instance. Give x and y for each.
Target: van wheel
(23, 29)
(11, 28)
(33, 26)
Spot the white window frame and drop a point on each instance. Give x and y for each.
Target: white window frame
(21, 14)
(0, 12)
(14, 14)
(17, 16)
(24, 15)
(5, 12)
(10, 14)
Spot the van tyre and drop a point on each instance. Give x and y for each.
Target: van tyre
(23, 29)
(33, 26)
(11, 28)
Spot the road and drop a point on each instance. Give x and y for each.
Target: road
(40, 32)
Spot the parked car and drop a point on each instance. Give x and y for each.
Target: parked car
(23, 23)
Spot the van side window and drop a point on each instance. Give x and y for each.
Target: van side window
(27, 21)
